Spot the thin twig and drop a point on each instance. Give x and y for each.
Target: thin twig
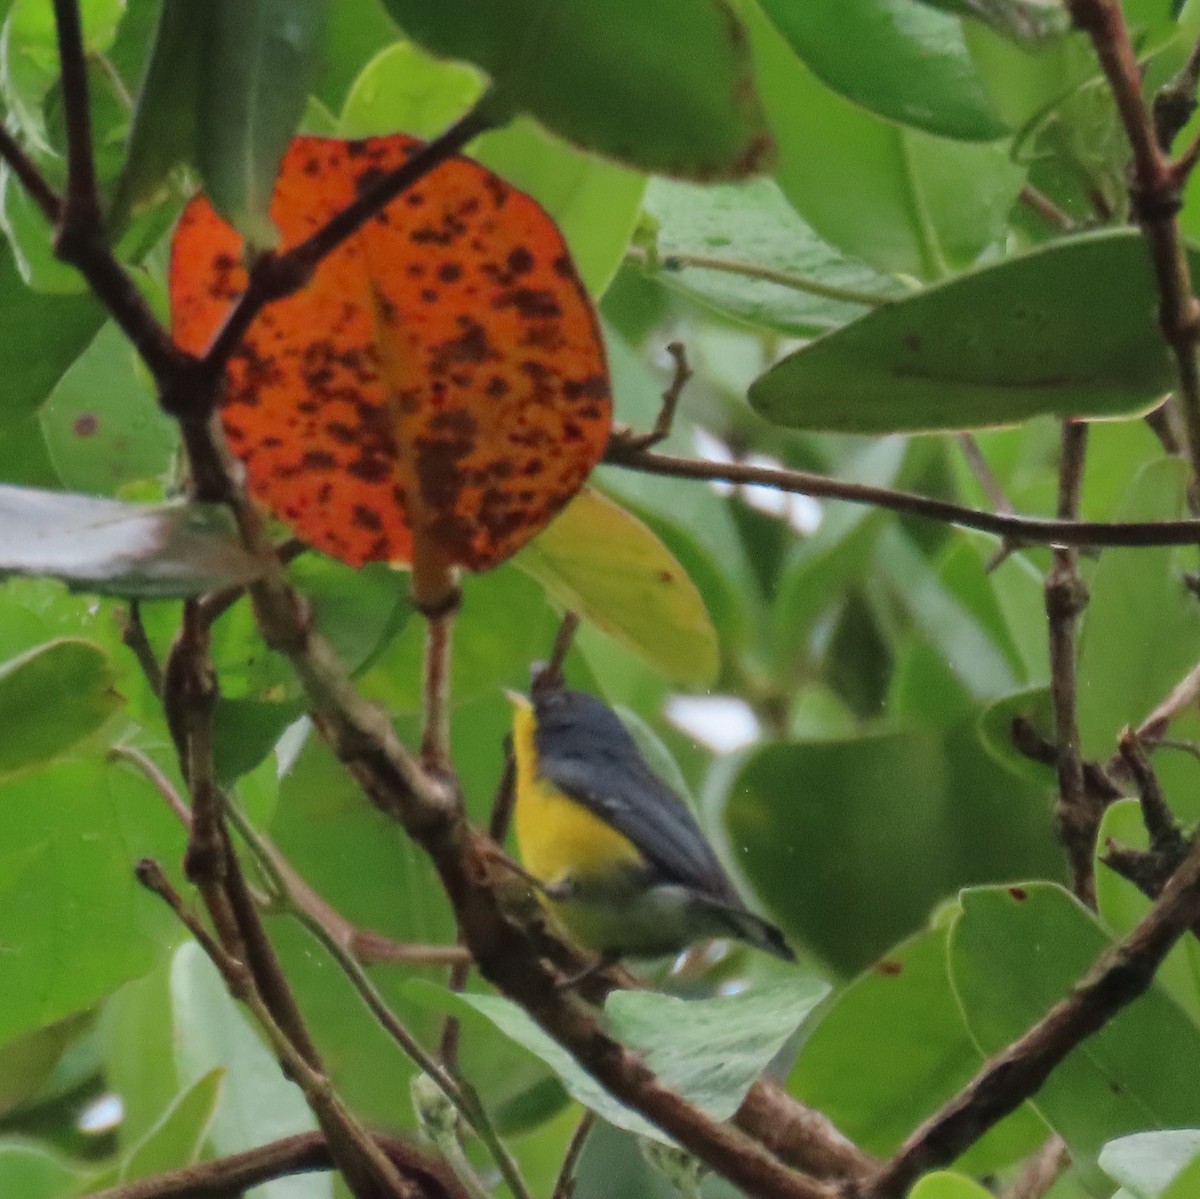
(1166, 835)
(298, 1154)
(32, 180)
(1041, 1171)
(754, 270)
(1077, 813)
(1156, 194)
(1121, 974)
(1037, 201)
(368, 1167)
(133, 635)
(564, 1187)
(435, 733)
(80, 212)
(1030, 529)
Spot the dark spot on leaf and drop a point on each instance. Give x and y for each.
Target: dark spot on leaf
(520, 261)
(366, 518)
(913, 341)
(1019, 894)
(86, 424)
(889, 967)
(449, 272)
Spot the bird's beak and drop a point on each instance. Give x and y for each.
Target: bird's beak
(518, 701)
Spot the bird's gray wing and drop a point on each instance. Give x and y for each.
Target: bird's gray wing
(624, 793)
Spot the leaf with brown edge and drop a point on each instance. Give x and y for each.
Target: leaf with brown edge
(440, 385)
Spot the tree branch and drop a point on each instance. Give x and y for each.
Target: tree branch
(1018, 528)
(1121, 974)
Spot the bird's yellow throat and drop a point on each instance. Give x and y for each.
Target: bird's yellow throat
(556, 836)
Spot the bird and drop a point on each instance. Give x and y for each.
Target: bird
(616, 852)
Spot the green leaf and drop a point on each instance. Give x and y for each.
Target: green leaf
(257, 1103)
(102, 423)
(55, 330)
(29, 56)
(1186, 1183)
(603, 562)
(116, 548)
(64, 867)
(1020, 338)
(592, 73)
(30, 238)
(894, 57)
(751, 226)
(902, 1011)
(1148, 1163)
(31, 1171)
(856, 792)
(942, 1184)
(594, 202)
(177, 1138)
(1123, 673)
(164, 129)
(902, 200)
(995, 731)
(709, 1050)
(1122, 906)
(51, 698)
(1014, 953)
(1020, 20)
(257, 70)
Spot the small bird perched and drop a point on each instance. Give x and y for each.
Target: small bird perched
(616, 851)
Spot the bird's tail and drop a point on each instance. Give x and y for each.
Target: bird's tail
(744, 925)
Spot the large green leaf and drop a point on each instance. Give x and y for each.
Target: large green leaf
(593, 72)
(1014, 953)
(898, 198)
(178, 1137)
(603, 562)
(721, 245)
(1066, 330)
(52, 697)
(259, 63)
(1123, 673)
(902, 1011)
(710, 1050)
(894, 57)
(120, 549)
(1021, 20)
(36, 1172)
(67, 917)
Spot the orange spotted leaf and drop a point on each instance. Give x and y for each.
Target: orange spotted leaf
(439, 386)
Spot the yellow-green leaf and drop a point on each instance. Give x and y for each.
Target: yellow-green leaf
(603, 562)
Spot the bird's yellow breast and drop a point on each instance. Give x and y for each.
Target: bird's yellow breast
(556, 835)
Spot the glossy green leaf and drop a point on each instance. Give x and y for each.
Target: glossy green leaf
(1021, 20)
(709, 1050)
(902, 1011)
(36, 1172)
(594, 202)
(102, 423)
(599, 560)
(900, 199)
(259, 64)
(109, 546)
(1186, 1183)
(30, 238)
(998, 345)
(899, 59)
(64, 866)
(1147, 1163)
(1123, 673)
(744, 233)
(177, 1138)
(50, 699)
(1014, 953)
(257, 1103)
(593, 73)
